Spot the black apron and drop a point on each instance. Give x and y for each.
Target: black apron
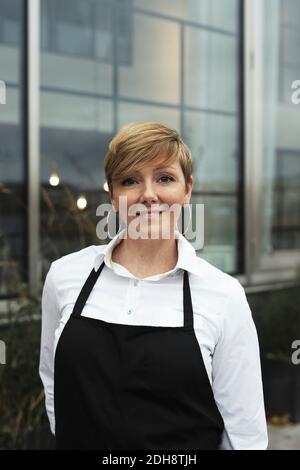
(120, 386)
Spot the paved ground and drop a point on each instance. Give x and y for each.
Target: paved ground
(284, 437)
(281, 437)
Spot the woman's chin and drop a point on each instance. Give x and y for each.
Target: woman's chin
(155, 230)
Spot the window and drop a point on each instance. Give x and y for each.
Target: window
(10, 24)
(175, 62)
(83, 28)
(286, 223)
(289, 57)
(281, 143)
(13, 227)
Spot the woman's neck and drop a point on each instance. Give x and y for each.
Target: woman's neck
(144, 258)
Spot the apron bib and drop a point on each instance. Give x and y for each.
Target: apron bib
(137, 387)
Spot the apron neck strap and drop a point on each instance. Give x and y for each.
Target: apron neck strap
(86, 290)
(187, 302)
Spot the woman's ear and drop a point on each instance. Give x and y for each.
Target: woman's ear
(112, 200)
(190, 184)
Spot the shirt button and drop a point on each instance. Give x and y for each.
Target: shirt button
(129, 311)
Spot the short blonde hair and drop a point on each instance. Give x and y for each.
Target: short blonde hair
(141, 142)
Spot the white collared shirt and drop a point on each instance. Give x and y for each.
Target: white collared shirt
(223, 326)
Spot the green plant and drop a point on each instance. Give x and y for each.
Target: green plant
(278, 322)
(64, 228)
(22, 397)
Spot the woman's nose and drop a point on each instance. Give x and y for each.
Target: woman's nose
(148, 191)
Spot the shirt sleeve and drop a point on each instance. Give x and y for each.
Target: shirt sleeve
(236, 377)
(50, 321)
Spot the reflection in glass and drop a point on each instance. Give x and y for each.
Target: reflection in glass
(221, 14)
(281, 165)
(13, 249)
(112, 62)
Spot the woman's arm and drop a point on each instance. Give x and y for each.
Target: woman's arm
(50, 321)
(236, 375)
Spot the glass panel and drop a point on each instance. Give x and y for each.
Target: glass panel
(287, 76)
(131, 112)
(76, 112)
(103, 31)
(154, 72)
(220, 230)
(84, 28)
(281, 165)
(12, 168)
(286, 222)
(74, 33)
(77, 119)
(213, 140)
(10, 24)
(74, 136)
(211, 64)
(213, 13)
(290, 12)
(290, 39)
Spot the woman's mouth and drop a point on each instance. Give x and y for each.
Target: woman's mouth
(149, 214)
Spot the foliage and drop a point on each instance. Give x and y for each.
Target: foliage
(22, 397)
(64, 228)
(278, 323)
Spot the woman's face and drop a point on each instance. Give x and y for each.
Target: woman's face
(156, 187)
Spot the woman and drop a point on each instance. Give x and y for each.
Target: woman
(144, 344)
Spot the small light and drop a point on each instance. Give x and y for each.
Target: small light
(105, 186)
(81, 202)
(54, 179)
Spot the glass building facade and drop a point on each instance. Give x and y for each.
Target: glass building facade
(218, 71)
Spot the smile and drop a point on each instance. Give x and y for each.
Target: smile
(151, 215)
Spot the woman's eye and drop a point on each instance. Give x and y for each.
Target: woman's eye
(128, 179)
(170, 178)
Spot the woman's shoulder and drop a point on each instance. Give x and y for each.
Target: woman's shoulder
(207, 274)
(80, 259)
(216, 294)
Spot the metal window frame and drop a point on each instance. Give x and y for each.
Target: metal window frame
(32, 144)
(253, 135)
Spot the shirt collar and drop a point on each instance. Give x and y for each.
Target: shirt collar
(187, 257)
